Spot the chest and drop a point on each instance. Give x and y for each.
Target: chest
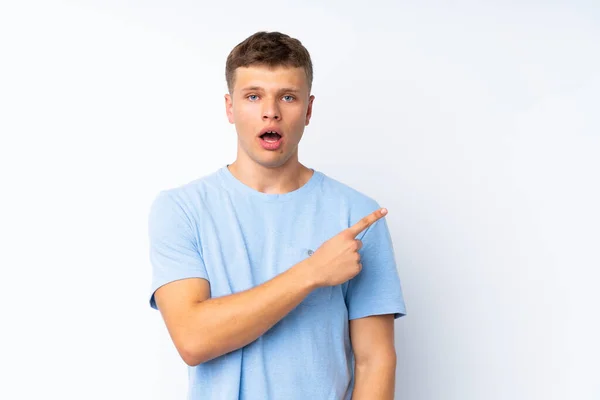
(246, 246)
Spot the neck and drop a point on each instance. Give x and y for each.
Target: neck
(271, 180)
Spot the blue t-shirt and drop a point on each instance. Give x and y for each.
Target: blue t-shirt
(221, 230)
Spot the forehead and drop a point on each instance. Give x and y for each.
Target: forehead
(270, 78)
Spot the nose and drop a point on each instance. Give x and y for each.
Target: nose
(271, 111)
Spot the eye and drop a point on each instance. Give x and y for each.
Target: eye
(288, 98)
(252, 97)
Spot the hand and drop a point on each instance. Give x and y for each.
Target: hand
(337, 260)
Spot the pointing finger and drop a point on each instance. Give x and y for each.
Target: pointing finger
(367, 221)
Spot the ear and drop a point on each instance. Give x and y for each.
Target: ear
(309, 109)
(229, 108)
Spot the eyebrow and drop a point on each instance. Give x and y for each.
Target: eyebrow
(258, 88)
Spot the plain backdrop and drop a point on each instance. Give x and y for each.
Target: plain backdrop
(475, 123)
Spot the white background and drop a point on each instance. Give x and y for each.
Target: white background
(476, 125)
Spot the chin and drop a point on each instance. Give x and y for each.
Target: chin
(268, 159)
(272, 162)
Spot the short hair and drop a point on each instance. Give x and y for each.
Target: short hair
(271, 49)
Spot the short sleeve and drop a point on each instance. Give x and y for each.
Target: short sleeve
(376, 289)
(173, 246)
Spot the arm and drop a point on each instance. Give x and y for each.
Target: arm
(375, 355)
(203, 328)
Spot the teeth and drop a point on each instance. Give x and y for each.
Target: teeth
(271, 140)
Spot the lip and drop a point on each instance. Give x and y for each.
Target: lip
(270, 145)
(270, 129)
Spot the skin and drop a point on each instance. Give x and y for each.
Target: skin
(259, 99)
(202, 327)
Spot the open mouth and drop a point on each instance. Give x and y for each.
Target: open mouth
(270, 136)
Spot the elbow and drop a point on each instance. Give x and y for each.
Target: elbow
(193, 352)
(197, 346)
(199, 353)
(191, 358)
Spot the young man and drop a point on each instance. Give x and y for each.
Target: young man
(274, 280)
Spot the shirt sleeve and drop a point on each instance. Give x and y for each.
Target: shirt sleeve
(173, 246)
(376, 289)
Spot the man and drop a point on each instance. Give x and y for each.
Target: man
(274, 280)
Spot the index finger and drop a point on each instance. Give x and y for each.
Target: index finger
(367, 221)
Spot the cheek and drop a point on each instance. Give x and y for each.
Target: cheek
(299, 118)
(244, 123)
(243, 113)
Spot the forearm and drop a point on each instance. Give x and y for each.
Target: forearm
(220, 325)
(375, 379)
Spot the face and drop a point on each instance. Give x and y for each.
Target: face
(269, 99)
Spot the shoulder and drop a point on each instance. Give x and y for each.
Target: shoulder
(187, 198)
(357, 203)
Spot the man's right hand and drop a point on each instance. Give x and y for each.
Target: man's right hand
(204, 327)
(337, 260)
